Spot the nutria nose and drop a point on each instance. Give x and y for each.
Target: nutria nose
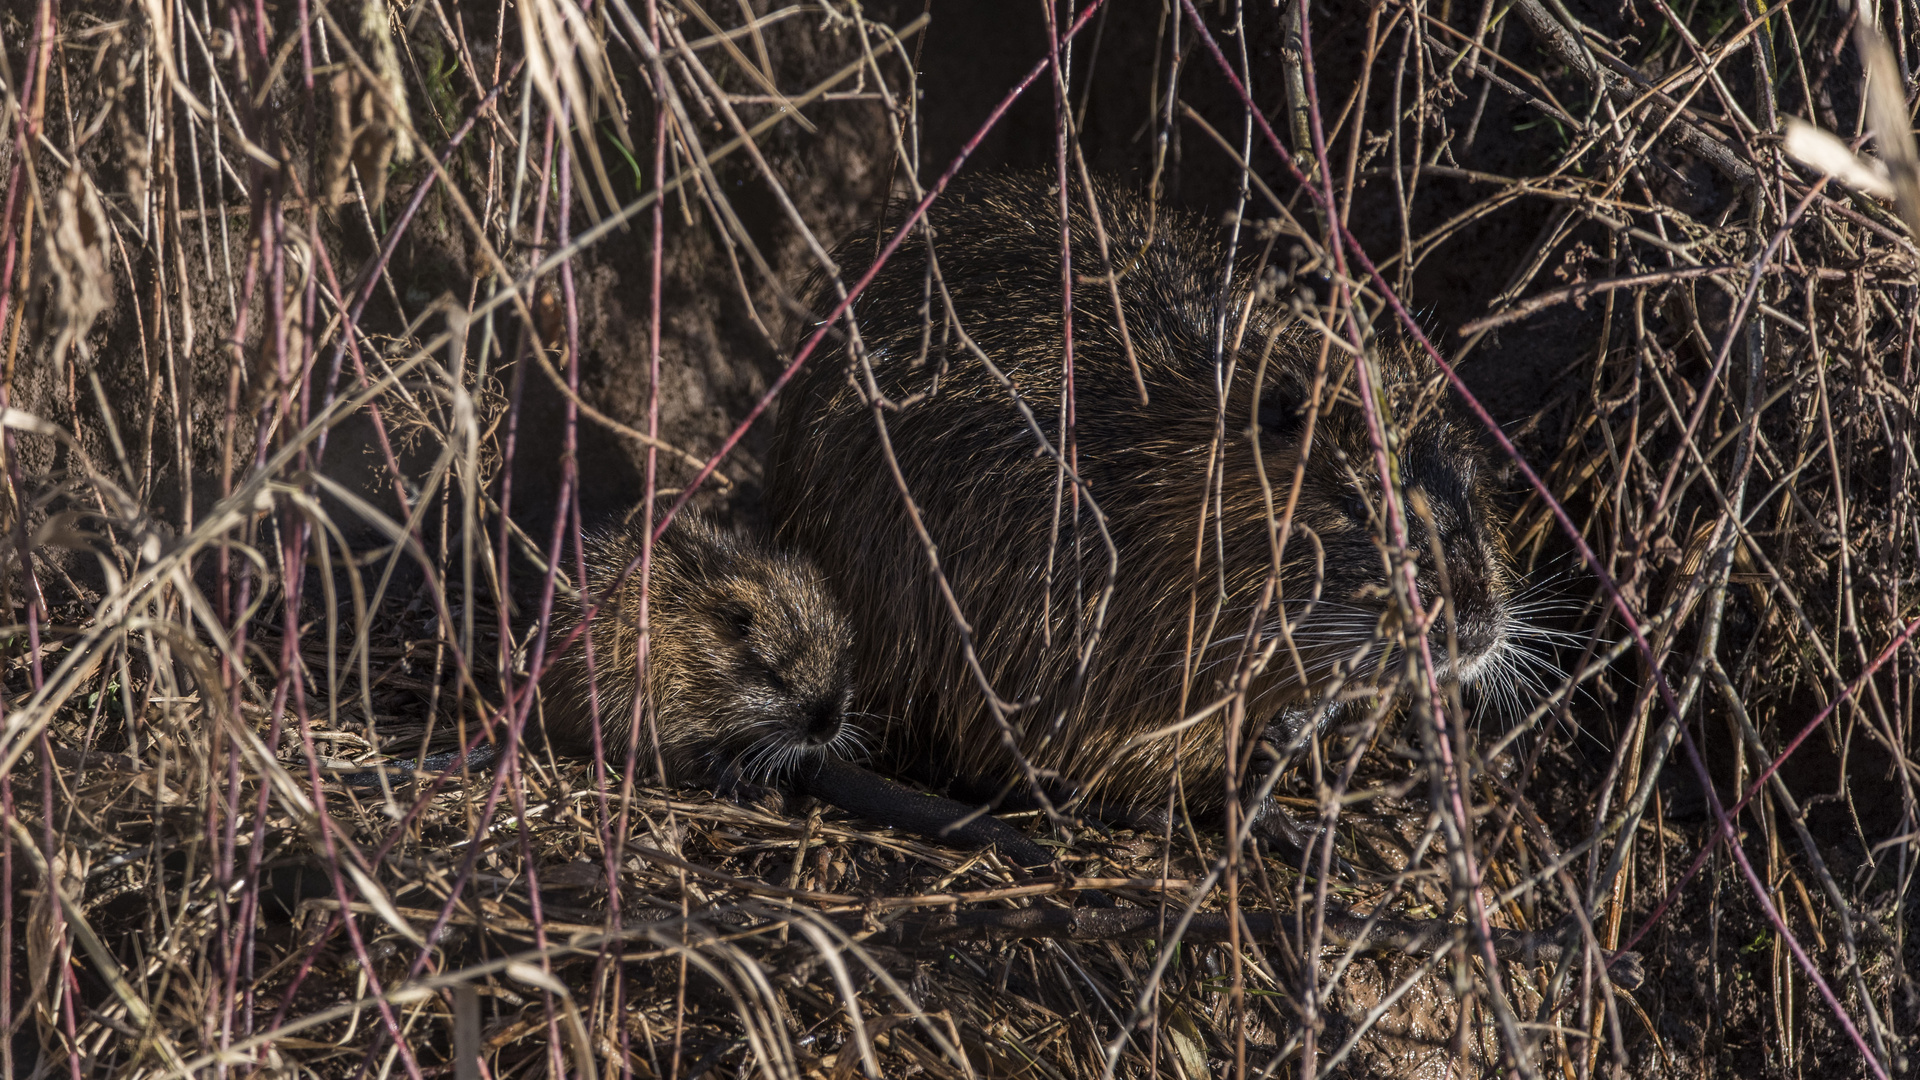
(1476, 637)
(1475, 617)
(822, 721)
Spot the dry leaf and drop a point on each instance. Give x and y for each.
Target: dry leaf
(1818, 148)
(1887, 119)
(49, 941)
(77, 259)
(371, 122)
(567, 60)
(1188, 1043)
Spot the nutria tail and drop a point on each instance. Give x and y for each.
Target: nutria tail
(748, 661)
(483, 756)
(860, 791)
(1230, 520)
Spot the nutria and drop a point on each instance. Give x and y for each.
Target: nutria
(748, 669)
(749, 657)
(1087, 677)
(748, 677)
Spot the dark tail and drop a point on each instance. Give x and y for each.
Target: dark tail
(480, 758)
(858, 791)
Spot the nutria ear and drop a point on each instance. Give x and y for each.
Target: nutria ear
(1280, 415)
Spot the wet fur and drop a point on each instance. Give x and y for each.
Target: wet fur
(988, 499)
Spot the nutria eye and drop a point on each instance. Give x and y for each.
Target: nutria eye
(1357, 507)
(738, 618)
(1279, 417)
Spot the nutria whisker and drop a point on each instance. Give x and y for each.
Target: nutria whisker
(850, 744)
(1529, 611)
(772, 758)
(1535, 632)
(1521, 670)
(1543, 670)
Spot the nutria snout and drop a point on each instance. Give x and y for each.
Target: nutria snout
(1096, 654)
(749, 667)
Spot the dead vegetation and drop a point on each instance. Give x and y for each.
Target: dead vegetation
(327, 326)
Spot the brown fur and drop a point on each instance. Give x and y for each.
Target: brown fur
(987, 497)
(748, 665)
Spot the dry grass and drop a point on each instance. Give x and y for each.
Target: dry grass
(327, 326)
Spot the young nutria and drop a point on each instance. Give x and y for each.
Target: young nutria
(748, 675)
(1190, 482)
(749, 664)
(749, 668)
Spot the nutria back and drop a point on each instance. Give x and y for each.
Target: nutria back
(749, 658)
(1090, 650)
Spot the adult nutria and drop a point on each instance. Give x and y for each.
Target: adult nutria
(1189, 483)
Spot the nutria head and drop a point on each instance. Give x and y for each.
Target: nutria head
(1229, 527)
(1337, 590)
(749, 662)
